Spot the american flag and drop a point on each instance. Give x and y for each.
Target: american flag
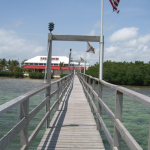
(90, 48)
(115, 4)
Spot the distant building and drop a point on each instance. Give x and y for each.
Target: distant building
(38, 64)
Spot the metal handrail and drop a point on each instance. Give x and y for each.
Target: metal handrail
(23, 100)
(119, 129)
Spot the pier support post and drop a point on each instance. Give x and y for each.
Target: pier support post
(57, 106)
(24, 112)
(149, 136)
(93, 86)
(48, 90)
(92, 110)
(118, 115)
(99, 107)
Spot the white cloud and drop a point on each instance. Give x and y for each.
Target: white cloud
(92, 32)
(138, 48)
(144, 39)
(14, 47)
(12, 25)
(97, 24)
(109, 26)
(124, 34)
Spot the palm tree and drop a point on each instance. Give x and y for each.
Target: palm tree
(3, 63)
(14, 64)
(61, 64)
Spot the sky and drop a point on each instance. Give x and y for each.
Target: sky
(24, 29)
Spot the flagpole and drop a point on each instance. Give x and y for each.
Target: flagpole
(101, 53)
(84, 62)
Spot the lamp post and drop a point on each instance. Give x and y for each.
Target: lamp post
(69, 62)
(49, 56)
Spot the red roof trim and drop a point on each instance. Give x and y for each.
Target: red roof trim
(52, 67)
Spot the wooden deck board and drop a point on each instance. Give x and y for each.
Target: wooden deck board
(73, 126)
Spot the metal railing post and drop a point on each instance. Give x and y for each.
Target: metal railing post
(149, 137)
(57, 106)
(99, 108)
(24, 112)
(92, 110)
(93, 87)
(118, 115)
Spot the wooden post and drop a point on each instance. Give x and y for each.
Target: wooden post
(118, 115)
(24, 112)
(93, 86)
(86, 79)
(61, 89)
(48, 90)
(92, 110)
(149, 137)
(57, 106)
(99, 107)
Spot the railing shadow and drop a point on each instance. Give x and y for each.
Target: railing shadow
(52, 136)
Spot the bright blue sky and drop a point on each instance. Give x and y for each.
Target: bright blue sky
(24, 28)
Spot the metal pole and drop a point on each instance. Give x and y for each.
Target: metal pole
(69, 62)
(101, 53)
(48, 90)
(85, 62)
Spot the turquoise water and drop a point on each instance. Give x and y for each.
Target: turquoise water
(11, 88)
(135, 115)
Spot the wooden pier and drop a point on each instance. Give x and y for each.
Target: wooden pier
(73, 126)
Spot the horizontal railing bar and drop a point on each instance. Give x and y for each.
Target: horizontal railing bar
(53, 93)
(22, 123)
(110, 114)
(35, 132)
(105, 107)
(8, 105)
(37, 129)
(37, 109)
(55, 81)
(108, 84)
(107, 133)
(135, 95)
(130, 141)
(95, 109)
(4, 141)
(103, 82)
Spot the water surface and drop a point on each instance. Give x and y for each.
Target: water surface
(135, 115)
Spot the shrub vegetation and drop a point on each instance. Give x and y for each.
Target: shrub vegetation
(63, 75)
(38, 75)
(11, 74)
(123, 73)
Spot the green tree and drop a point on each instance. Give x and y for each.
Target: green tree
(14, 64)
(22, 63)
(61, 64)
(3, 63)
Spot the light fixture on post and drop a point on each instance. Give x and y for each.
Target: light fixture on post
(51, 26)
(48, 67)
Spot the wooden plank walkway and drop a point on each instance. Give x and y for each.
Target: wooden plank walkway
(73, 126)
